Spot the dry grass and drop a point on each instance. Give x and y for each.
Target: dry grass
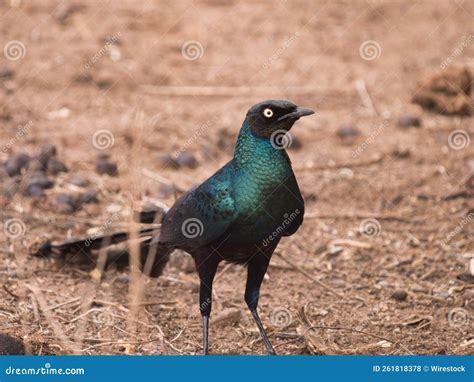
(330, 289)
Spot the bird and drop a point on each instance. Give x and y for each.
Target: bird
(238, 215)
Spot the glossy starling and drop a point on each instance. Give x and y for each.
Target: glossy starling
(238, 215)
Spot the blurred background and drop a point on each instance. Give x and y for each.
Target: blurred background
(109, 106)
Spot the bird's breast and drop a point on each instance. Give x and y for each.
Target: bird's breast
(264, 204)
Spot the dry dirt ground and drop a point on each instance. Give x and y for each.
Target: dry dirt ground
(389, 210)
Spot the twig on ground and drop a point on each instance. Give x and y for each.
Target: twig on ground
(302, 271)
(64, 303)
(66, 343)
(323, 327)
(5, 288)
(365, 96)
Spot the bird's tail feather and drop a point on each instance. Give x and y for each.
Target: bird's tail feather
(153, 255)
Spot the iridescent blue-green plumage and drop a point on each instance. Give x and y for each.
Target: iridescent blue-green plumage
(243, 203)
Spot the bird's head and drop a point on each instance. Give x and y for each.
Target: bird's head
(266, 117)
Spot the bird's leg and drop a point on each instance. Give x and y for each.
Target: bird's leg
(256, 271)
(207, 270)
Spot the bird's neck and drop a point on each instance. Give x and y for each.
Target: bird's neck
(255, 152)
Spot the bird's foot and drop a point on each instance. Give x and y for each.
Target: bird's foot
(271, 351)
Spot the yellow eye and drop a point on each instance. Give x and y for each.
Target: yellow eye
(268, 112)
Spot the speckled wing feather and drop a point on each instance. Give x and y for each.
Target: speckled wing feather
(202, 214)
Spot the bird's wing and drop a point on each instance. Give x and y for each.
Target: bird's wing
(202, 214)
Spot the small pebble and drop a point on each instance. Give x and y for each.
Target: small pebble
(64, 12)
(93, 209)
(39, 179)
(104, 81)
(186, 159)
(347, 131)
(89, 197)
(401, 153)
(122, 278)
(468, 296)
(103, 156)
(400, 295)
(34, 191)
(65, 202)
(228, 317)
(112, 40)
(17, 163)
(167, 161)
(11, 346)
(78, 181)
(103, 166)
(409, 120)
(6, 73)
(466, 277)
(82, 78)
(62, 113)
(165, 191)
(55, 166)
(47, 152)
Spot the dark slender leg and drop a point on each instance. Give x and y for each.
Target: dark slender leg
(256, 271)
(205, 334)
(207, 270)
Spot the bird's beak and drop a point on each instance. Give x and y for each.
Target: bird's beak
(297, 113)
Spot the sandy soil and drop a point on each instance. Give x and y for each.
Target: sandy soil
(121, 67)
